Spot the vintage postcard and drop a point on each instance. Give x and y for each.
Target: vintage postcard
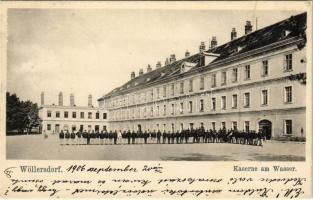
(156, 99)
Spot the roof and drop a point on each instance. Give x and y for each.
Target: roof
(295, 27)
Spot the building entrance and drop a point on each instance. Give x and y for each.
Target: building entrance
(266, 126)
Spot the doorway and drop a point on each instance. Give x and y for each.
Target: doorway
(266, 126)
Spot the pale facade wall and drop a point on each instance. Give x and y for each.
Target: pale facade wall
(70, 122)
(127, 111)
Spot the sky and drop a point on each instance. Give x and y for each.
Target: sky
(94, 51)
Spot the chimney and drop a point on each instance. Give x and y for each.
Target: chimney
(213, 42)
(60, 99)
(72, 101)
(233, 34)
(158, 65)
(132, 75)
(149, 69)
(42, 98)
(89, 100)
(166, 62)
(140, 72)
(248, 27)
(202, 47)
(172, 58)
(187, 54)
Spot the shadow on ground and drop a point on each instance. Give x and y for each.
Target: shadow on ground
(198, 157)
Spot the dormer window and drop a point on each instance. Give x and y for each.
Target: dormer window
(286, 33)
(136, 83)
(148, 79)
(186, 66)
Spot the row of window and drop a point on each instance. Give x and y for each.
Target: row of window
(66, 127)
(246, 104)
(74, 115)
(224, 77)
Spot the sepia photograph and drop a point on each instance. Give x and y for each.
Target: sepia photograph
(156, 84)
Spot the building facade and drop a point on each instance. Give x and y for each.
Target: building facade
(257, 81)
(55, 118)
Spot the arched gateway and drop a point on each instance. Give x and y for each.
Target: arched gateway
(266, 126)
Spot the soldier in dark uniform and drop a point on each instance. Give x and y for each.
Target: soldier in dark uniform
(67, 137)
(177, 135)
(88, 135)
(168, 135)
(61, 137)
(115, 137)
(181, 136)
(158, 134)
(187, 134)
(128, 135)
(163, 136)
(97, 138)
(101, 135)
(133, 137)
(72, 137)
(145, 136)
(79, 136)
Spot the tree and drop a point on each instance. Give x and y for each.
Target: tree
(21, 115)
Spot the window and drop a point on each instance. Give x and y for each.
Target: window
(49, 127)
(288, 62)
(223, 78)
(191, 126)
(181, 126)
(247, 72)
(246, 99)
(190, 85)
(213, 126)
(264, 67)
(213, 80)
(164, 110)
(65, 114)
(57, 114)
(81, 128)
(158, 110)
(97, 115)
(151, 94)
(158, 93)
(73, 114)
(247, 126)
(264, 98)
(223, 103)
(164, 91)
(173, 109)
(201, 109)
(181, 108)
(223, 125)
(89, 115)
(234, 101)
(201, 83)
(288, 94)
(288, 127)
(48, 113)
(182, 87)
(172, 89)
(65, 127)
(234, 125)
(201, 125)
(213, 104)
(104, 115)
(190, 106)
(235, 75)
(82, 115)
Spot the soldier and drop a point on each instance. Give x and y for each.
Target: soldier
(158, 134)
(61, 137)
(72, 137)
(177, 135)
(163, 136)
(173, 137)
(67, 137)
(115, 136)
(168, 135)
(101, 135)
(79, 136)
(128, 135)
(88, 135)
(106, 137)
(187, 134)
(181, 136)
(133, 135)
(145, 136)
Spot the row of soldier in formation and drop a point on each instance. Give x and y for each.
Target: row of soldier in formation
(199, 135)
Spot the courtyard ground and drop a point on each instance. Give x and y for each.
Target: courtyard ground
(38, 147)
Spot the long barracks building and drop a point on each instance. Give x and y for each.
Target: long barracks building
(257, 81)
